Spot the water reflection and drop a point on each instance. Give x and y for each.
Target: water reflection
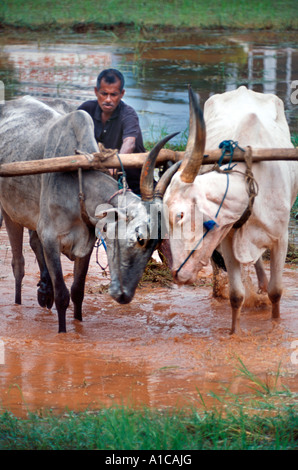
(157, 72)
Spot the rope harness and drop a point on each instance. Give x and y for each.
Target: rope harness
(228, 146)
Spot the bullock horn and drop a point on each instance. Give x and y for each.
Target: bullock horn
(146, 180)
(165, 180)
(194, 152)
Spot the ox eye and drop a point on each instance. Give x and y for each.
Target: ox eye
(179, 216)
(140, 241)
(140, 238)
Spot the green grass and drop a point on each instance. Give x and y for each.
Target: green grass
(266, 419)
(129, 429)
(266, 14)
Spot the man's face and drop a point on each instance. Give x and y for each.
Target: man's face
(109, 96)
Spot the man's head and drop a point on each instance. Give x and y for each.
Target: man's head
(110, 76)
(109, 90)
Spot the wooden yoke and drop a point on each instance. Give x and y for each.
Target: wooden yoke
(98, 160)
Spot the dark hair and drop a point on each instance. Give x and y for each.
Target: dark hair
(110, 76)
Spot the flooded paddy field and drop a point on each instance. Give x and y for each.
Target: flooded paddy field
(157, 70)
(168, 347)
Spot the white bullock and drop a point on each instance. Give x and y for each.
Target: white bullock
(218, 199)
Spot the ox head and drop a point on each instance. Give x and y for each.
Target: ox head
(195, 224)
(132, 228)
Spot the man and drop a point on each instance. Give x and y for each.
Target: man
(116, 124)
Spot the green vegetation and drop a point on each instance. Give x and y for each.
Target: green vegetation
(265, 419)
(129, 429)
(295, 140)
(267, 14)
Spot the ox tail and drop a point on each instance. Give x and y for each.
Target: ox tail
(218, 260)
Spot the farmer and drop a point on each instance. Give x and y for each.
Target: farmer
(116, 124)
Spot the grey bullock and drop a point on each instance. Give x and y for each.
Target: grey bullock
(204, 208)
(48, 205)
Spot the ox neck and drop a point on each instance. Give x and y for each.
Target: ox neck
(210, 224)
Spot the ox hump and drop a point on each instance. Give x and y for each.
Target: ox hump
(246, 116)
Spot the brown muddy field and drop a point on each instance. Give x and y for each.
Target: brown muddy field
(170, 346)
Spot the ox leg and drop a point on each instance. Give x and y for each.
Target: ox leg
(261, 275)
(236, 296)
(275, 288)
(15, 235)
(236, 288)
(78, 287)
(61, 294)
(45, 295)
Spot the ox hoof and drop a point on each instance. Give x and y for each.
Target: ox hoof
(78, 317)
(235, 329)
(237, 332)
(275, 321)
(45, 296)
(123, 299)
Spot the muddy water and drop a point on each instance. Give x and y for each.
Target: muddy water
(163, 349)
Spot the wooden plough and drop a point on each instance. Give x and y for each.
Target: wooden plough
(99, 160)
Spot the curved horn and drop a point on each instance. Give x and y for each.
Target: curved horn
(165, 180)
(146, 180)
(194, 152)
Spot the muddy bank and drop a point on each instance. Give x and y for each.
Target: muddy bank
(163, 349)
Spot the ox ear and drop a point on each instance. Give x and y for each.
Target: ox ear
(195, 147)
(146, 180)
(105, 217)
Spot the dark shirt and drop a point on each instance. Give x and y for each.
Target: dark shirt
(123, 123)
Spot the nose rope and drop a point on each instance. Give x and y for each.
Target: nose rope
(208, 225)
(194, 249)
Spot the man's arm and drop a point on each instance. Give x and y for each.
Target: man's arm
(128, 145)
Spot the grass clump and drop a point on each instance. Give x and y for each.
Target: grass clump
(121, 428)
(170, 13)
